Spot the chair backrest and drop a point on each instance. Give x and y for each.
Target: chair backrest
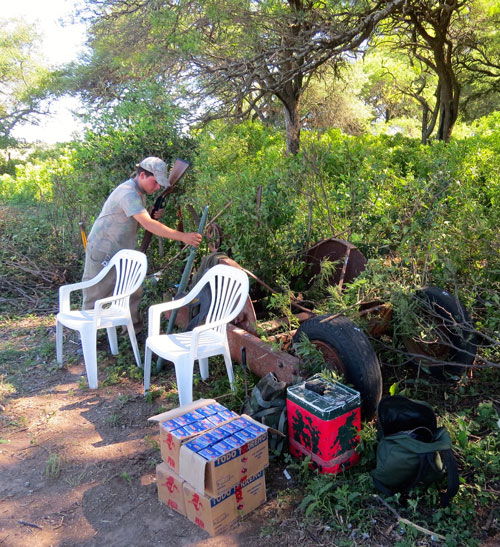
(131, 267)
(229, 291)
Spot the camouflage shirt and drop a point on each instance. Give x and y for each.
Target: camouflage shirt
(115, 228)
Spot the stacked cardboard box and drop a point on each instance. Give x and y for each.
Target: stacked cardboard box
(213, 463)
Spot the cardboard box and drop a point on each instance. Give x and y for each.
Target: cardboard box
(233, 452)
(185, 422)
(215, 514)
(324, 419)
(241, 453)
(170, 488)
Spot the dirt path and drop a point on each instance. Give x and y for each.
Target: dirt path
(77, 467)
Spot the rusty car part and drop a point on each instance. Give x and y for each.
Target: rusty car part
(378, 316)
(350, 261)
(294, 301)
(213, 234)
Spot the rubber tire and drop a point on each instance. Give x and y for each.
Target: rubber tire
(444, 305)
(357, 357)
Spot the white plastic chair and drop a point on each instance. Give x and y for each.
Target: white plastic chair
(229, 293)
(108, 313)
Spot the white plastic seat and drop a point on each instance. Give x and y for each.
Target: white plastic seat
(108, 313)
(229, 293)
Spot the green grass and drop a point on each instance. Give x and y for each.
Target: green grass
(348, 504)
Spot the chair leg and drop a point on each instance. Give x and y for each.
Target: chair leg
(203, 361)
(59, 343)
(113, 341)
(89, 341)
(133, 341)
(229, 368)
(147, 368)
(184, 376)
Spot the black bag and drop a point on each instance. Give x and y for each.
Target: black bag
(267, 405)
(412, 450)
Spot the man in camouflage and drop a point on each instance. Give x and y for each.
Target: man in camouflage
(117, 226)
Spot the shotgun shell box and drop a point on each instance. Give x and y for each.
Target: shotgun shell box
(216, 435)
(214, 476)
(235, 442)
(245, 435)
(224, 446)
(231, 428)
(180, 433)
(198, 427)
(201, 442)
(241, 423)
(171, 425)
(170, 488)
(173, 434)
(324, 420)
(215, 514)
(216, 407)
(210, 453)
(228, 414)
(206, 411)
(189, 418)
(217, 419)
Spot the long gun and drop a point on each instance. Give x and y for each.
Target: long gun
(176, 173)
(183, 283)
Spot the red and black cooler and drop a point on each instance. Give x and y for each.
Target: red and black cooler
(324, 419)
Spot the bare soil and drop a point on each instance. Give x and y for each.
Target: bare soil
(77, 466)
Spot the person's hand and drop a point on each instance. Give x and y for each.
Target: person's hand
(192, 238)
(158, 214)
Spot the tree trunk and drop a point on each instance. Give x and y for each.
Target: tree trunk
(448, 109)
(292, 125)
(429, 115)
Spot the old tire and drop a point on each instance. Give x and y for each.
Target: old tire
(454, 328)
(347, 349)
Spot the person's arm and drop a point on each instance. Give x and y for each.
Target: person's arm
(159, 229)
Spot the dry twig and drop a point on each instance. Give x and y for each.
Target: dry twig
(409, 522)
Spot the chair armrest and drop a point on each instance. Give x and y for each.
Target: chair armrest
(155, 311)
(99, 304)
(212, 325)
(66, 290)
(65, 293)
(198, 330)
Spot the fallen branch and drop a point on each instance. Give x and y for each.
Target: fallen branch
(409, 522)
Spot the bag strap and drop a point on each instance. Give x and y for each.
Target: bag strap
(267, 404)
(453, 480)
(382, 488)
(266, 412)
(276, 441)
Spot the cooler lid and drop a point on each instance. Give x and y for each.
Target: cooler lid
(322, 397)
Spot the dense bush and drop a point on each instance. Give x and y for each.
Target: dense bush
(421, 214)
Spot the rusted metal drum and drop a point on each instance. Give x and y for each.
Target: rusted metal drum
(350, 261)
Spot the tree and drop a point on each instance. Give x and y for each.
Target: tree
(335, 100)
(23, 77)
(399, 90)
(480, 60)
(231, 55)
(444, 37)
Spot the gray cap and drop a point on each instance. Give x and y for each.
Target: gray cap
(158, 167)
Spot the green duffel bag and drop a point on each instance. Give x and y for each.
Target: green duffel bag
(410, 457)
